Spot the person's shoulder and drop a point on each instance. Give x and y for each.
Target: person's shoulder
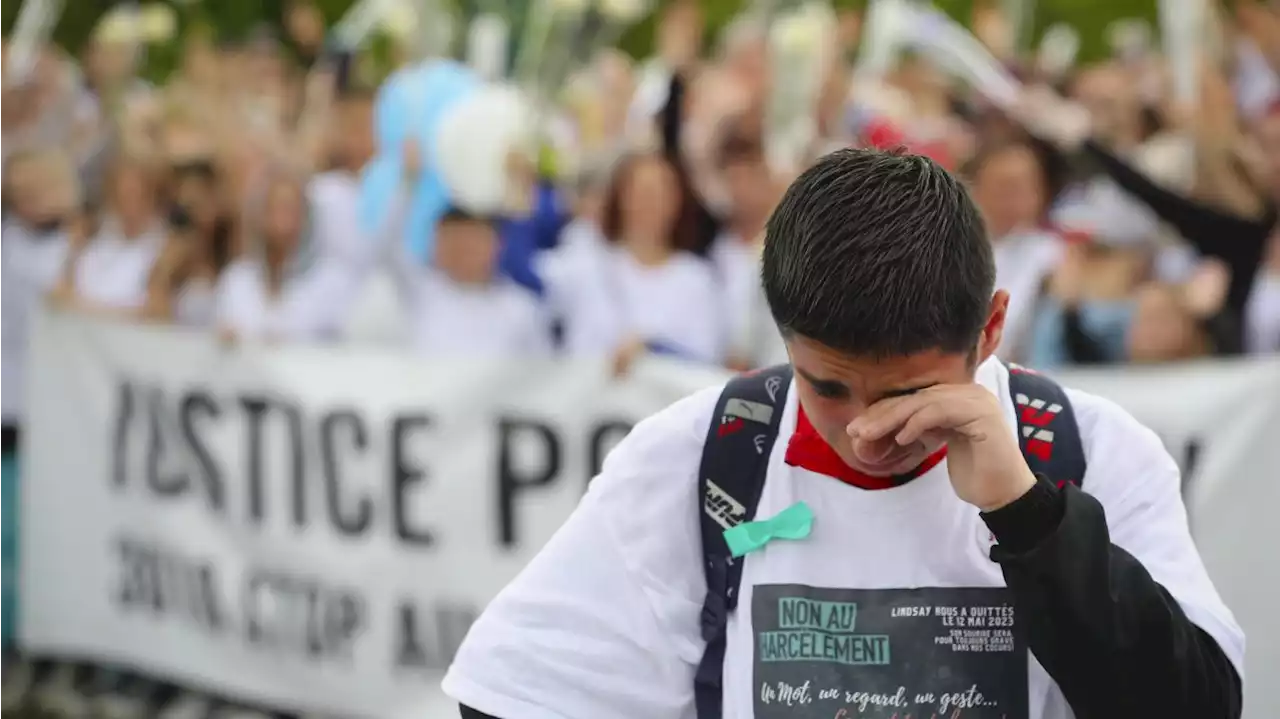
(671, 436)
(1123, 454)
(651, 474)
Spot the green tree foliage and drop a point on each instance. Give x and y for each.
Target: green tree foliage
(232, 19)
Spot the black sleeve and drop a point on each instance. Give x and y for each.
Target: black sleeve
(1082, 348)
(671, 118)
(469, 713)
(1114, 640)
(1239, 242)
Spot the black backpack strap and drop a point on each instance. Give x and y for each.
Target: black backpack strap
(1047, 428)
(735, 459)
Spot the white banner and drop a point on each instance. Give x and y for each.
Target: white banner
(316, 528)
(311, 528)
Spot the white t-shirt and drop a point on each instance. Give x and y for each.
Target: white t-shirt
(113, 271)
(501, 319)
(311, 306)
(334, 199)
(604, 622)
(31, 265)
(605, 296)
(196, 303)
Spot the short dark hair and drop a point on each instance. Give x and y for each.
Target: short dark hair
(879, 254)
(454, 214)
(685, 231)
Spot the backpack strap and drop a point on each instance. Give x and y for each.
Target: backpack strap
(1047, 428)
(735, 459)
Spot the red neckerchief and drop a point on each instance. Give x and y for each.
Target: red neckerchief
(808, 450)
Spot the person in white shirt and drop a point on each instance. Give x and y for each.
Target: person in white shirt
(641, 288)
(751, 191)
(461, 305)
(1009, 185)
(108, 268)
(334, 194)
(902, 558)
(283, 289)
(196, 250)
(41, 193)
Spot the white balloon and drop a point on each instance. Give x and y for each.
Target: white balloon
(474, 144)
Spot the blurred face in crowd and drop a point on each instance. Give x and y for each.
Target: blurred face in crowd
(283, 218)
(132, 195)
(750, 186)
(197, 193)
(108, 64)
(1107, 92)
(926, 85)
(353, 132)
(649, 201)
(1009, 189)
(466, 250)
(1162, 329)
(41, 187)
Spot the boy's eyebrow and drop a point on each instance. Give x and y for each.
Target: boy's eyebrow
(903, 392)
(834, 386)
(825, 385)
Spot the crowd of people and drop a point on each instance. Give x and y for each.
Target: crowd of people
(227, 199)
(1129, 226)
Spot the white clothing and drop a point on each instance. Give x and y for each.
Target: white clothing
(310, 307)
(737, 266)
(32, 263)
(377, 315)
(604, 296)
(196, 303)
(581, 234)
(334, 201)
(113, 271)
(501, 319)
(604, 622)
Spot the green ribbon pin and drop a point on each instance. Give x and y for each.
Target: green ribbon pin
(794, 522)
